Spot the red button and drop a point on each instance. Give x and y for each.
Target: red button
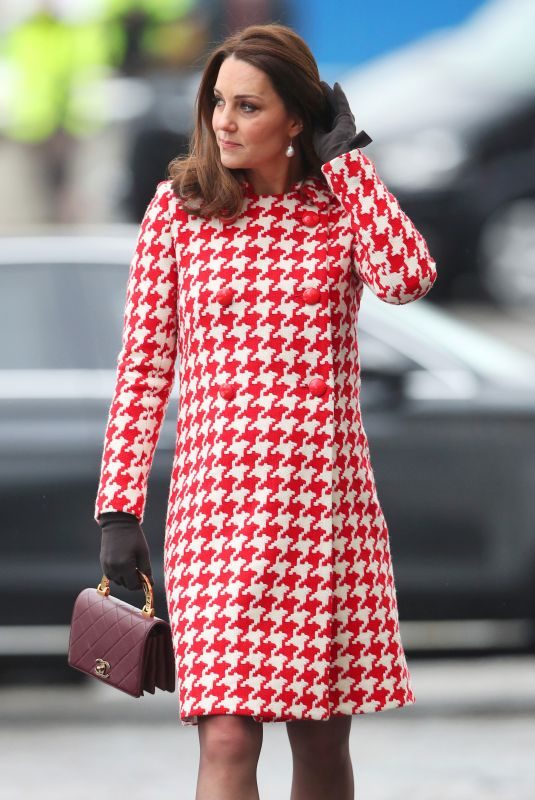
(227, 391)
(310, 218)
(317, 386)
(311, 295)
(224, 296)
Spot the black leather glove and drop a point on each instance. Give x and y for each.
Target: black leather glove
(123, 548)
(341, 134)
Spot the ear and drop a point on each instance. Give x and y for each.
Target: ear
(295, 126)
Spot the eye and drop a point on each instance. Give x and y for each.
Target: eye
(216, 99)
(248, 107)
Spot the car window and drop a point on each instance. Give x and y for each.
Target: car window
(388, 369)
(382, 367)
(61, 316)
(103, 288)
(375, 353)
(39, 328)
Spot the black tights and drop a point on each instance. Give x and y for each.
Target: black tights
(230, 748)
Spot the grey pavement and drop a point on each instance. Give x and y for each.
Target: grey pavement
(470, 736)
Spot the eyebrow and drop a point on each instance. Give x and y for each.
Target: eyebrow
(240, 96)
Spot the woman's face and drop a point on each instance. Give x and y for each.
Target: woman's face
(250, 122)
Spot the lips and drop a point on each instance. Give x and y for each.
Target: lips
(226, 143)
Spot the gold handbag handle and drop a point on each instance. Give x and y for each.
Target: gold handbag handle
(148, 609)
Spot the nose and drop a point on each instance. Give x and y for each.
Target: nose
(225, 119)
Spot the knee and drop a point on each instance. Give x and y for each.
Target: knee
(229, 739)
(320, 742)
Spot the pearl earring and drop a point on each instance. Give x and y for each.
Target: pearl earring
(290, 151)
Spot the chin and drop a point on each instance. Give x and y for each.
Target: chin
(233, 160)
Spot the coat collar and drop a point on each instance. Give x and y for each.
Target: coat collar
(310, 190)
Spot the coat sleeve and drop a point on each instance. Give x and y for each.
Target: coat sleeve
(145, 364)
(390, 255)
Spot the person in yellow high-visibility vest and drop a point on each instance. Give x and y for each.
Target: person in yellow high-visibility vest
(49, 62)
(51, 66)
(153, 33)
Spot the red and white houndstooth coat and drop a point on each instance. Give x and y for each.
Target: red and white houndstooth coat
(277, 564)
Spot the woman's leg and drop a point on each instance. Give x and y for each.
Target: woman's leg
(229, 750)
(322, 767)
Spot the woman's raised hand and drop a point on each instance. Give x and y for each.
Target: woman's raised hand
(342, 134)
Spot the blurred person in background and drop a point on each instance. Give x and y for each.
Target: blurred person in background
(154, 43)
(62, 107)
(51, 64)
(248, 270)
(153, 34)
(164, 41)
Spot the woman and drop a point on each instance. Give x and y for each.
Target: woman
(249, 267)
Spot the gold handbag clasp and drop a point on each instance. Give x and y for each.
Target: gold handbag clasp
(102, 668)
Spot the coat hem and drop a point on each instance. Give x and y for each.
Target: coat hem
(192, 720)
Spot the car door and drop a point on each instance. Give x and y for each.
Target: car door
(104, 311)
(450, 468)
(61, 333)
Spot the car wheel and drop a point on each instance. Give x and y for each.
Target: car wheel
(507, 255)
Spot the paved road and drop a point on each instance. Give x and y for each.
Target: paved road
(470, 736)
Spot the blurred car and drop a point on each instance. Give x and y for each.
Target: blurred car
(453, 122)
(450, 414)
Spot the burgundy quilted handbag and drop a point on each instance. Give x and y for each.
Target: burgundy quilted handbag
(121, 645)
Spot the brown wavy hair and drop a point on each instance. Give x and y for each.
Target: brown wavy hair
(205, 186)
